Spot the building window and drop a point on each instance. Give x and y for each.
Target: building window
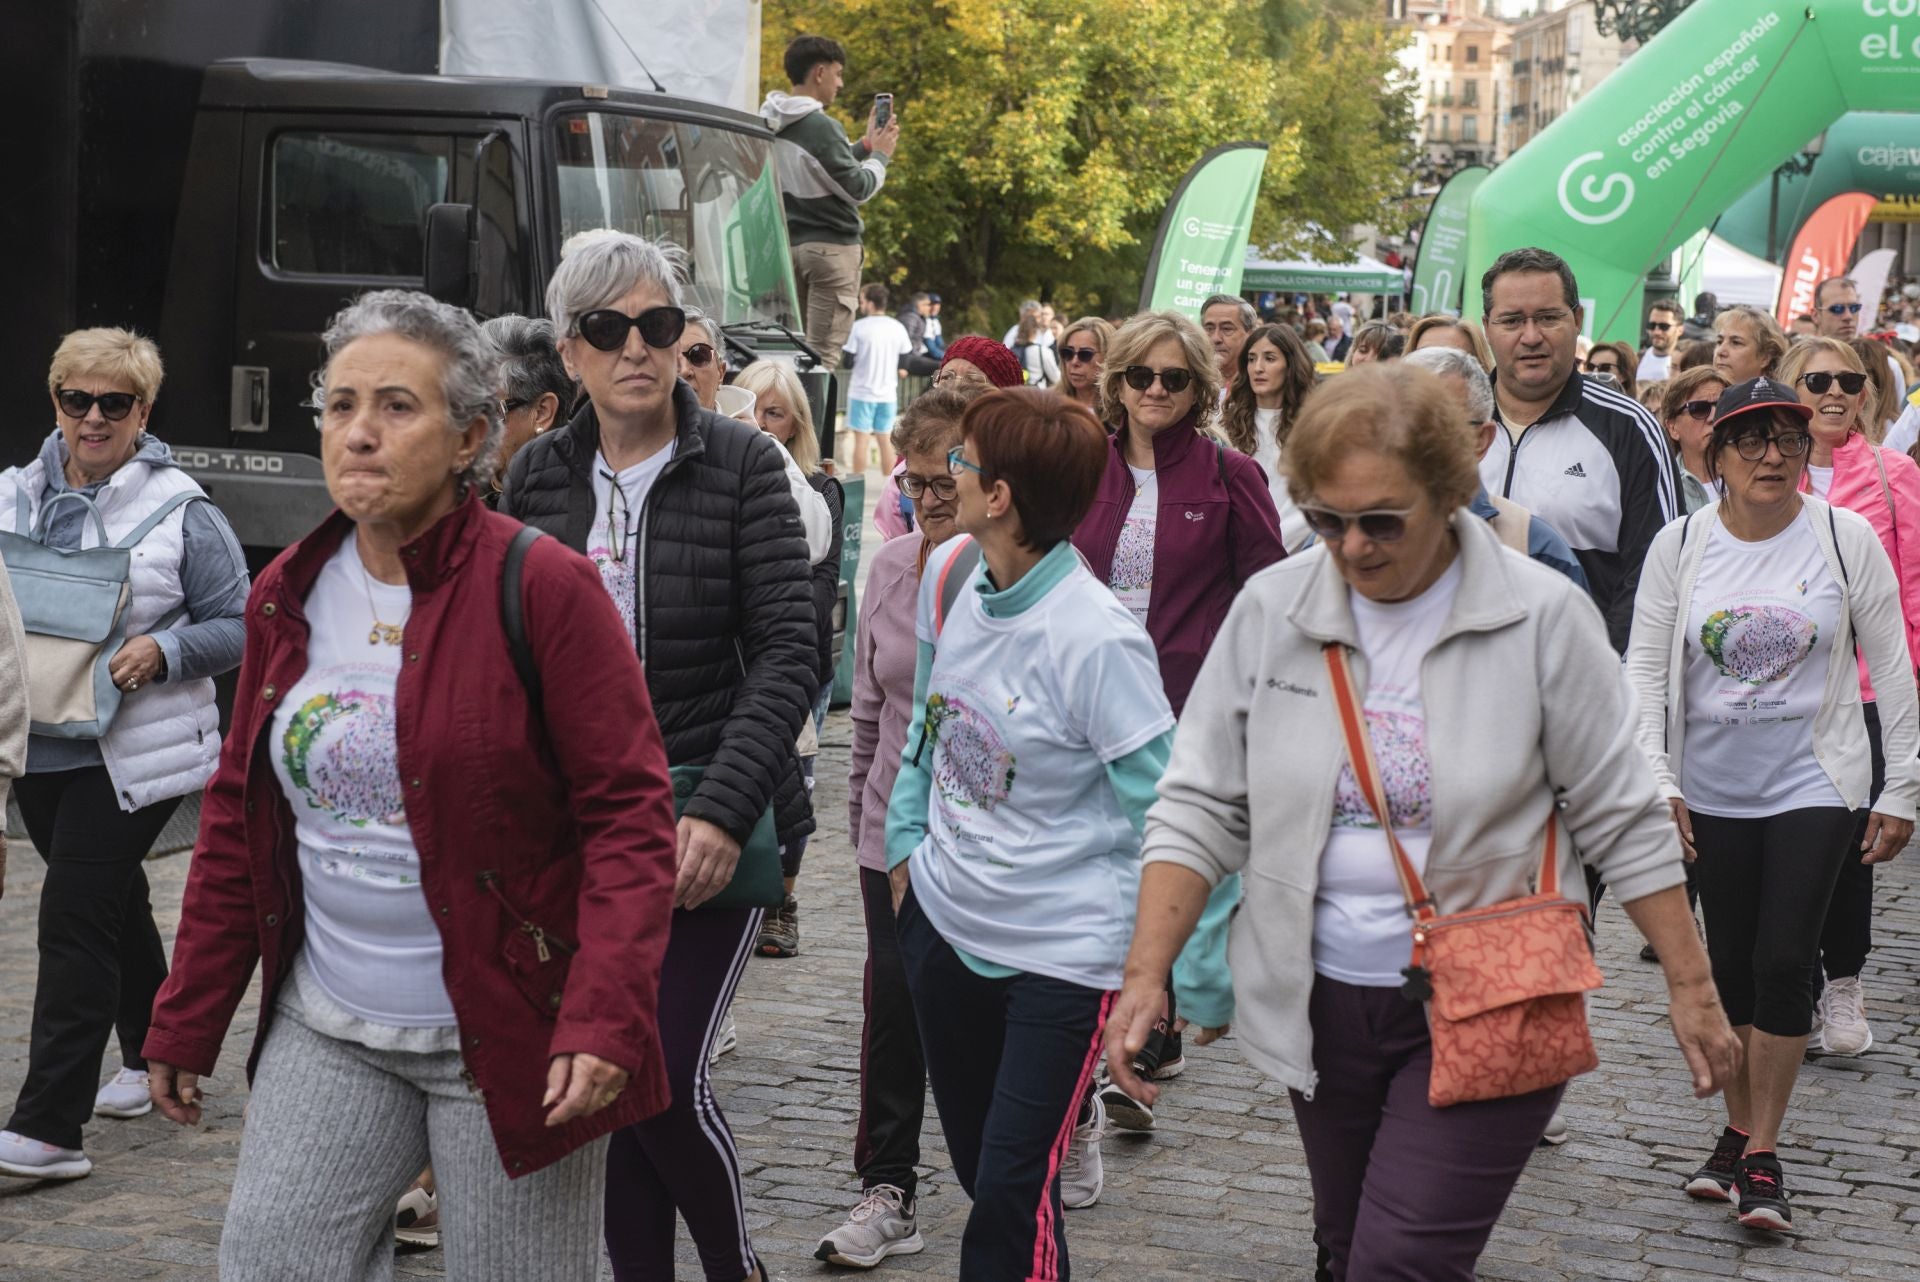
(1470, 129)
(1473, 53)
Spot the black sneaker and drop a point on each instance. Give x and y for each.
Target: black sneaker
(1761, 1194)
(1714, 1180)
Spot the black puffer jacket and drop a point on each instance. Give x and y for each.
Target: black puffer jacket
(724, 620)
(826, 574)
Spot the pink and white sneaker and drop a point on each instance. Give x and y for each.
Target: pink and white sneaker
(28, 1159)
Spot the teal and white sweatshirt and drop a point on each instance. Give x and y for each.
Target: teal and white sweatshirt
(1039, 734)
(824, 179)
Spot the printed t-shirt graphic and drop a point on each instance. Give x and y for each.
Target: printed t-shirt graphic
(1132, 575)
(613, 544)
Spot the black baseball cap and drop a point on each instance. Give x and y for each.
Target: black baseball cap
(1758, 394)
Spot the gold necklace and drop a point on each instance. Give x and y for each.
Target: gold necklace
(381, 633)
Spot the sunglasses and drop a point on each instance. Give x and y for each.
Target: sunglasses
(1850, 382)
(606, 329)
(1702, 410)
(1752, 445)
(114, 406)
(1660, 326)
(1075, 355)
(1603, 367)
(1843, 309)
(944, 488)
(697, 356)
(1140, 378)
(1381, 525)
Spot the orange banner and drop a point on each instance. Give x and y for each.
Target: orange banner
(1823, 249)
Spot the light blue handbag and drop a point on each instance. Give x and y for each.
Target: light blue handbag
(73, 606)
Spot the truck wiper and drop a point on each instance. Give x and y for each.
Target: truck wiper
(774, 326)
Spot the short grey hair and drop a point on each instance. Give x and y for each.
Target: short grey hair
(530, 363)
(599, 268)
(1248, 317)
(697, 317)
(469, 361)
(1451, 361)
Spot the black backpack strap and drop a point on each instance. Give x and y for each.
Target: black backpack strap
(513, 614)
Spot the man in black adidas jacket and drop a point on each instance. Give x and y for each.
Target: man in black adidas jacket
(1588, 460)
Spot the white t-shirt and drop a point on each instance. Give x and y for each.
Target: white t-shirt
(1044, 337)
(1819, 480)
(371, 943)
(1760, 635)
(1132, 576)
(1905, 431)
(1294, 531)
(1653, 366)
(877, 344)
(1361, 932)
(613, 544)
(1029, 860)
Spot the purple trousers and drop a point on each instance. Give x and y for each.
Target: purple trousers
(1402, 1190)
(683, 1160)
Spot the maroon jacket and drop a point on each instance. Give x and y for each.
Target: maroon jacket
(1217, 526)
(556, 840)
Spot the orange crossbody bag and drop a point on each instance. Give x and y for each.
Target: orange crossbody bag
(1504, 984)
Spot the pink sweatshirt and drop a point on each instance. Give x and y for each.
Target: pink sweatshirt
(883, 660)
(1856, 487)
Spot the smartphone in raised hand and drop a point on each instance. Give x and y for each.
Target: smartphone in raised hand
(882, 111)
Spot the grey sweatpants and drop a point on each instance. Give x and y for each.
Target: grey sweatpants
(336, 1132)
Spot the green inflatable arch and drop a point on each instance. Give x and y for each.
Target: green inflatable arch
(1877, 152)
(1682, 130)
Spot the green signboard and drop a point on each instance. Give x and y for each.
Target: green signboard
(1202, 244)
(1442, 265)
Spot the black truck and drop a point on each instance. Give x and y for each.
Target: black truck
(190, 169)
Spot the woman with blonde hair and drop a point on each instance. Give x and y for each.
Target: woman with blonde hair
(1440, 330)
(1082, 348)
(1747, 343)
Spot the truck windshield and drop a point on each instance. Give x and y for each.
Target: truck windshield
(708, 190)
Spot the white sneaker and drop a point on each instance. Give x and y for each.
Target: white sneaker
(882, 1225)
(1817, 1036)
(728, 1039)
(31, 1160)
(1081, 1175)
(1556, 1133)
(125, 1096)
(1845, 1030)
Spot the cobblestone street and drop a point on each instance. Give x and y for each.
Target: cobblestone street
(1219, 1191)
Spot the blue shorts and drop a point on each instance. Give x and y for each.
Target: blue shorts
(871, 416)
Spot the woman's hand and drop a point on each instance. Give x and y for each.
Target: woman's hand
(138, 663)
(175, 1092)
(1684, 822)
(1142, 1003)
(583, 1084)
(1886, 837)
(707, 857)
(1707, 1041)
(900, 879)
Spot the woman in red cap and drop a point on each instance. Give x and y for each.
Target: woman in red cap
(973, 366)
(1747, 614)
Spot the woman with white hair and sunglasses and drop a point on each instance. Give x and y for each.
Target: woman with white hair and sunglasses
(689, 518)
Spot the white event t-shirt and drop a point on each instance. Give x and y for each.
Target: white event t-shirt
(370, 940)
(613, 546)
(1132, 575)
(1759, 638)
(1819, 480)
(1361, 932)
(1294, 531)
(1029, 859)
(877, 344)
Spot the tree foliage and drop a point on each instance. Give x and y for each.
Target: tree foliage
(1041, 139)
(1639, 20)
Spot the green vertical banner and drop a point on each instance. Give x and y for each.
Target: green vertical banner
(1201, 247)
(1440, 272)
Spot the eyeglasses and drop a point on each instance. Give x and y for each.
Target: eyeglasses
(1075, 355)
(1752, 444)
(1381, 525)
(514, 405)
(1659, 327)
(944, 488)
(606, 329)
(114, 406)
(1702, 410)
(619, 517)
(954, 379)
(1843, 309)
(1851, 382)
(956, 463)
(697, 356)
(1140, 378)
(1547, 321)
(1603, 367)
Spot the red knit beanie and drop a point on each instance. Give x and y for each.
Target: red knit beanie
(995, 360)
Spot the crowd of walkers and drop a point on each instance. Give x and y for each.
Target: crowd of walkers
(1168, 622)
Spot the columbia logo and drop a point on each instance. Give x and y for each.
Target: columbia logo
(1576, 470)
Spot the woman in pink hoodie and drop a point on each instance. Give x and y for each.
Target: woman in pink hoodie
(1849, 470)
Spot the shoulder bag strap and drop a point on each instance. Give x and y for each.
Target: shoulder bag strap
(39, 532)
(154, 518)
(513, 615)
(953, 580)
(1893, 512)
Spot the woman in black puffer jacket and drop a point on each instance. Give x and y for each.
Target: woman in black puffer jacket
(691, 521)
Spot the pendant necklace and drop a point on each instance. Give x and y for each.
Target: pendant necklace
(381, 633)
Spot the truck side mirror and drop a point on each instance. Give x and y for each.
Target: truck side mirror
(449, 237)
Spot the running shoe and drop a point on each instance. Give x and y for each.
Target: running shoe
(1817, 1035)
(1760, 1194)
(1557, 1132)
(1714, 1180)
(416, 1220)
(1844, 1030)
(780, 932)
(125, 1096)
(882, 1225)
(1172, 1060)
(1123, 1110)
(28, 1159)
(726, 1040)
(1081, 1175)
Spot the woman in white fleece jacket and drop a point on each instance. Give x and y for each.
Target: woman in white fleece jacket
(1744, 631)
(1495, 706)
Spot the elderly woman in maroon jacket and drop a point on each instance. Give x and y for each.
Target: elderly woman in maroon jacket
(458, 904)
